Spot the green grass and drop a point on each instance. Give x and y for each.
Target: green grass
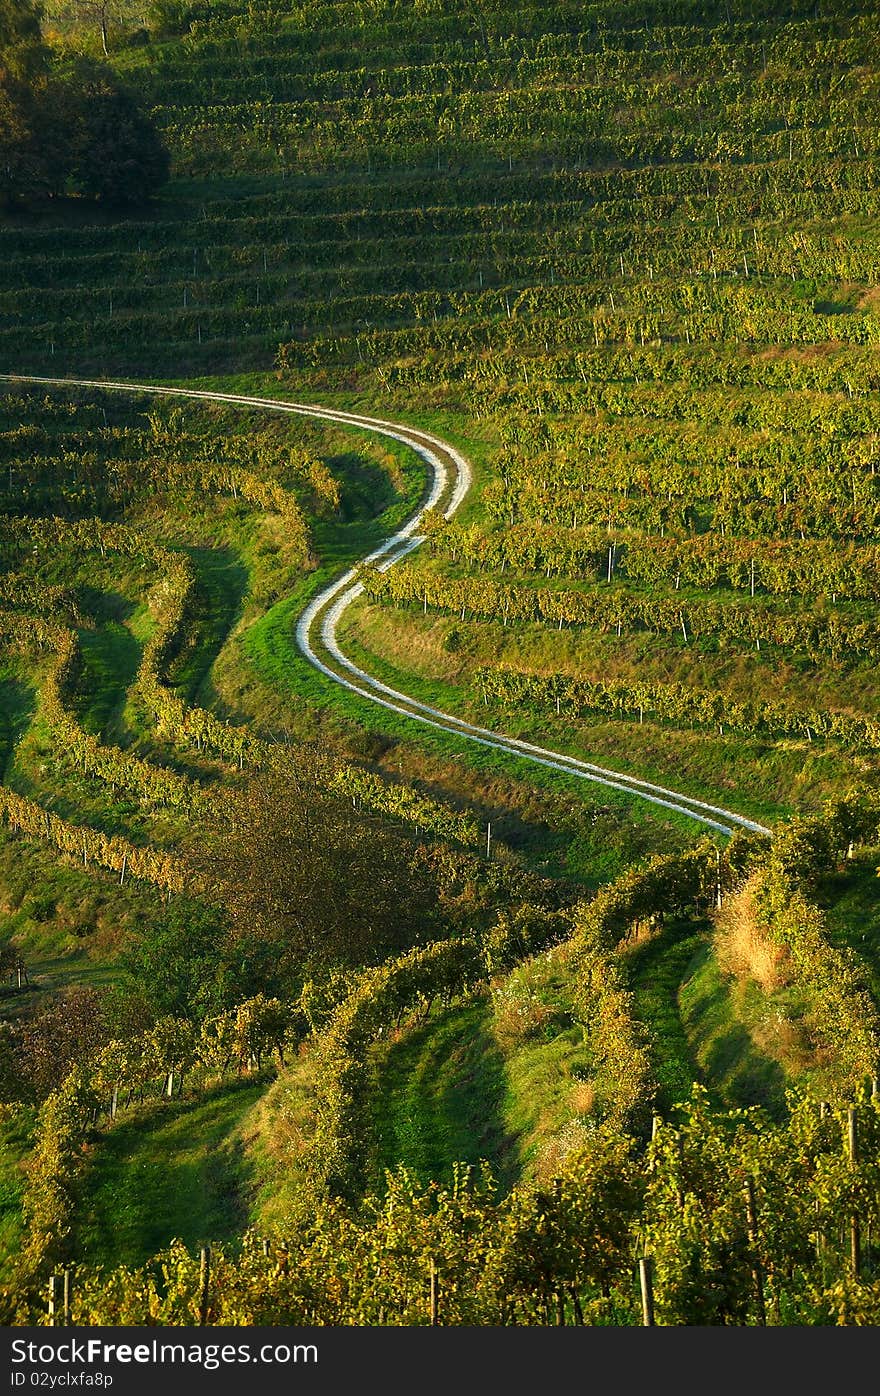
(223, 580)
(723, 1020)
(67, 922)
(438, 1097)
(17, 707)
(52, 964)
(272, 648)
(746, 1045)
(656, 970)
(43, 770)
(167, 1172)
(110, 659)
(316, 704)
(16, 1128)
(852, 908)
(494, 1080)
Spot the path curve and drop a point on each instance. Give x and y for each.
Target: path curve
(450, 482)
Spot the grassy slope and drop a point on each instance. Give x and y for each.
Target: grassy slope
(853, 912)
(707, 1025)
(17, 704)
(15, 1138)
(68, 923)
(166, 1172)
(507, 1079)
(439, 1096)
(415, 651)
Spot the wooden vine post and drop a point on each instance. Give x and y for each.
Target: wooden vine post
(646, 1284)
(855, 1235)
(755, 1243)
(434, 1294)
(204, 1284)
(60, 1292)
(719, 895)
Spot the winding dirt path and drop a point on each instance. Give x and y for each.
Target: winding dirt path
(316, 631)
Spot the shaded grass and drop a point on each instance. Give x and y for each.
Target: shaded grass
(223, 581)
(851, 901)
(16, 1135)
(746, 1046)
(438, 1097)
(67, 922)
(16, 1128)
(17, 707)
(723, 1020)
(42, 770)
(656, 968)
(167, 1172)
(111, 656)
(496, 1080)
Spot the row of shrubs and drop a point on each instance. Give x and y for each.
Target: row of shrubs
(620, 608)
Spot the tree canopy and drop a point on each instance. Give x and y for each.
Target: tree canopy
(311, 882)
(72, 128)
(114, 152)
(22, 51)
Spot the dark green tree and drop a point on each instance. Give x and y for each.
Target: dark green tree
(23, 61)
(17, 152)
(169, 18)
(177, 964)
(115, 153)
(23, 54)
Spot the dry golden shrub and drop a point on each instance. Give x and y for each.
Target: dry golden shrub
(583, 1097)
(744, 948)
(515, 1022)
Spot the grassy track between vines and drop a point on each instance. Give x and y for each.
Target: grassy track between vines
(439, 1097)
(167, 1172)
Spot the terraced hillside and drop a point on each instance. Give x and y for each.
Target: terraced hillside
(632, 255)
(624, 258)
